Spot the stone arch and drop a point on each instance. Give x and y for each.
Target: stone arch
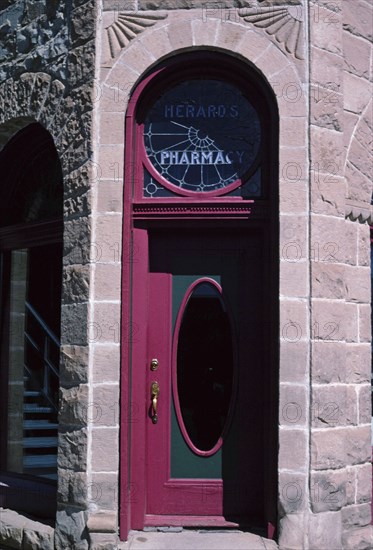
(34, 97)
(237, 39)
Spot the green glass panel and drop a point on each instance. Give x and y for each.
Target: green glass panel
(184, 462)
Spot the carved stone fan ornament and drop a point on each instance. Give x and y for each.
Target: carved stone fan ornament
(127, 26)
(285, 23)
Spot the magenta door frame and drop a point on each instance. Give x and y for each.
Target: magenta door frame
(135, 282)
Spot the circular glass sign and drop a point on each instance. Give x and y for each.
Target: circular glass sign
(202, 136)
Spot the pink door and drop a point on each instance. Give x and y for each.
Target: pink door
(200, 374)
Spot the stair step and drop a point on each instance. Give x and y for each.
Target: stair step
(39, 425)
(39, 442)
(49, 476)
(40, 461)
(32, 393)
(35, 408)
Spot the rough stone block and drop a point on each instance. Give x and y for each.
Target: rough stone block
(293, 490)
(365, 403)
(326, 28)
(328, 280)
(110, 164)
(103, 541)
(293, 275)
(70, 530)
(293, 194)
(364, 483)
(293, 164)
(293, 450)
(358, 539)
(271, 61)
(107, 281)
(332, 490)
(73, 365)
(351, 245)
(363, 244)
(357, 93)
(40, 536)
(137, 56)
(293, 320)
(328, 362)
(292, 529)
(11, 528)
(327, 155)
(108, 239)
(294, 362)
(329, 320)
(111, 128)
(336, 448)
(73, 406)
(75, 285)
(359, 155)
(105, 448)
(356, 516)
(204, 32)
(358, 21)
(325, 530)
(358, 185)
(328, 239)
(72, 487)
(334, 406)
(109, 197)
(326, 69)
(72, 450)
(76, 241)
(356, 55)
(106, 324)
(351, 322)
(180, 34)
(106, 363)
(290, 93)
(364, 323)
(293, 237)
(230, 35)
(74, 321)
(106, 403)
(113, 90)
(358, 363)
(254, 44)
(329, 194)
(293, 405)
(105, 491)
(293, 131)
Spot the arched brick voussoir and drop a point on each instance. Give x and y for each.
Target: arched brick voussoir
(34, 97)
(290, 92)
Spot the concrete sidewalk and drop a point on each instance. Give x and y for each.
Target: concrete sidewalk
(196, 540)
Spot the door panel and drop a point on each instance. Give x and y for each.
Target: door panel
(230, 482)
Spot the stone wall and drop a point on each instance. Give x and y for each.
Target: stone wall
(46, 75)
(340, 469)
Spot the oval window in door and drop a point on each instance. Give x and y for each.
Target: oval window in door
(204, 369)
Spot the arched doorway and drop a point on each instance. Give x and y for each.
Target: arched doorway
(31, 228)
(200, 298)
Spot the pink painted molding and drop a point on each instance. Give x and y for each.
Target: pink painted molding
(283, 22)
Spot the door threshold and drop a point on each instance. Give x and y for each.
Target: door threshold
(187, 521)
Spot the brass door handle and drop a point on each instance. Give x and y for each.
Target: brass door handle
(155, 394)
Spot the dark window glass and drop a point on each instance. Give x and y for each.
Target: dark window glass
(203, 135)
(205, 366)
